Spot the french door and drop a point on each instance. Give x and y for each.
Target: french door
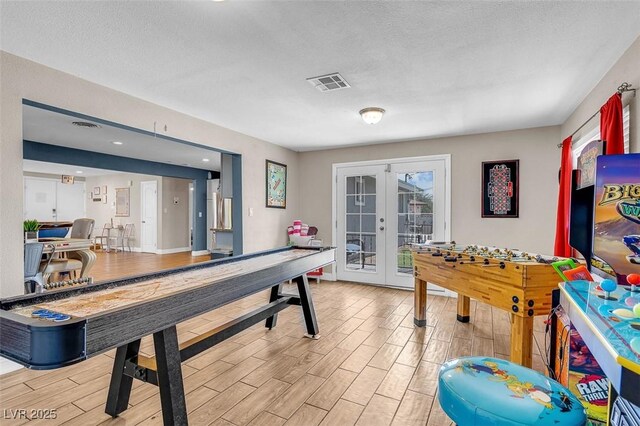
(381, 209)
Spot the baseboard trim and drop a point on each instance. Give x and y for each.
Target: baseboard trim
(173, 250)
(199, 252)
(329, 276)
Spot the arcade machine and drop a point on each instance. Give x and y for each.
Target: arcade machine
(595, 323)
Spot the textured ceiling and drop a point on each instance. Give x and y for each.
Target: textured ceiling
(438, 68)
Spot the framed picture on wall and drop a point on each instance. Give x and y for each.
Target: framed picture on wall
(587, 163)
(122, 202)
(96, 190)
(68, 180)
(276, 185)
(500, 188)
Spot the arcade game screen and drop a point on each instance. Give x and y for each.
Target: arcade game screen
(616, 238)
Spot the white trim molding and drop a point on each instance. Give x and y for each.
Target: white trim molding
(173, 250)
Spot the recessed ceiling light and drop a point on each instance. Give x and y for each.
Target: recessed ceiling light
(116, 143)
(79, 172)
(206, 160)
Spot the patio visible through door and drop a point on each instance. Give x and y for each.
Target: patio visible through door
(381, 208)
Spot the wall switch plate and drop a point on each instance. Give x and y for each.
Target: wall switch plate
(250, 211)
(199, 214)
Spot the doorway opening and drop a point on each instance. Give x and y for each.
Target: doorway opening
(150, 188)
(382, 207)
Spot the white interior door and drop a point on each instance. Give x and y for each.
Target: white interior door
(71, 201)
(149, 216)
(416, 208)
(360, 224)
(40, 199)
(381, 209)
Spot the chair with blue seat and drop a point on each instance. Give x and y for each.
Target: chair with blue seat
(490, 391)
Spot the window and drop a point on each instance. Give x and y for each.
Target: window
(594, 134)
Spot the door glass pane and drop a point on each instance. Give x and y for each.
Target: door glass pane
(361, 223)
(415, 214)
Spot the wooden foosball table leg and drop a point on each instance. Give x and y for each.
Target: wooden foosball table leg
(521, 340)
(420, 300)
(464, 308)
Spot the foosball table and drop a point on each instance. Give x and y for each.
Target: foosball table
(70, 324)
(514, 281)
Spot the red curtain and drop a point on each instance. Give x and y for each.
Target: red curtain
(561, 246)
(611, 128)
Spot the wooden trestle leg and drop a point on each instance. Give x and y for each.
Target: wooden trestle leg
(420, 300)
(464, 307)
(120, 386)
(521, 340)
(174, 408)
(306, 303)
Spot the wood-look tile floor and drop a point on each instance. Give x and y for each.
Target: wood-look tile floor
(370, 367)
(112, 265)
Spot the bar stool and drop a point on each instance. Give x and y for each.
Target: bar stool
(490, 391)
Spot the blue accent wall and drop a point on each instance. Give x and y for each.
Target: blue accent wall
(58, 154)
(236, 204)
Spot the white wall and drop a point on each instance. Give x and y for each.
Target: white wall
(175, 217)
(103, 213)
(23, 79)
(539, 159)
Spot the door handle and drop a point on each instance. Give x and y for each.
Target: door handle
(382, 228)
(144, 221)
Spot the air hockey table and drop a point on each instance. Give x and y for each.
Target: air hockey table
(66, 326)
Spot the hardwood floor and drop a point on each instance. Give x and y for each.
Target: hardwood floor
(370, 367)
(111, 265)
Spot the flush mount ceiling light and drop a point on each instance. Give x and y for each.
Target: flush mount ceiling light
(79, 172)
(86, 124)
(206, 160)
(116, 143)
(372, 115)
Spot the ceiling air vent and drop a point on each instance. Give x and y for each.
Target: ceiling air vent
(329, 82)
(86, 124)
